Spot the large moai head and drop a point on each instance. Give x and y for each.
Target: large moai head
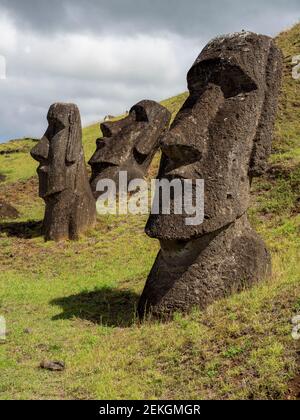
(129, 144)
(223, 135)
(63, 182)
(223, 132)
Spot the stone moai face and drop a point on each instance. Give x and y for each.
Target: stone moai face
(129, 144)
(63, 182)
(223, 132)
(59, 150)
(222, 135)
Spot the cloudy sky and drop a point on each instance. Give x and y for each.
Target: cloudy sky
(105, 55)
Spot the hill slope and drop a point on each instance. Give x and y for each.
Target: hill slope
(76, 301)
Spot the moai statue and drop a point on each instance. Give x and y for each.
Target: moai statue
(129, 144)
(222, 135)
(63, 180)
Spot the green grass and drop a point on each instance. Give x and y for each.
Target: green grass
(15, 161)
(75, 301)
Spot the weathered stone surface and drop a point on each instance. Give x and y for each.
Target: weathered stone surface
(7, 211)
(63, 180)
(129, 144)
(223, 135)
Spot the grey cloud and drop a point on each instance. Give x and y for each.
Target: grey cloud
(107, 55)
(190, 17)
(85, 70)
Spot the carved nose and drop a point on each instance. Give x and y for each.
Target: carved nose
(97, 156)
(180, 157)
(180, 154)
(41, 150)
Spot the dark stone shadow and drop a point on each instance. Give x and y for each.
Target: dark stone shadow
(24, 230)
(105, 306)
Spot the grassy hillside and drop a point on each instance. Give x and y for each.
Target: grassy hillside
(76, 301)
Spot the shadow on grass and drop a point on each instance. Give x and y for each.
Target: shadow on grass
(24, 230)
(106, 306)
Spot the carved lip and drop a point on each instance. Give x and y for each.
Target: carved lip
(99, 166)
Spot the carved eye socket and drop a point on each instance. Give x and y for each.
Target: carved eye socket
(140, 113)
(231, 78)
(41, 150)
(55, 126)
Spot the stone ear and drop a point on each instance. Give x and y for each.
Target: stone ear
(263, 141)
(74, 138)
